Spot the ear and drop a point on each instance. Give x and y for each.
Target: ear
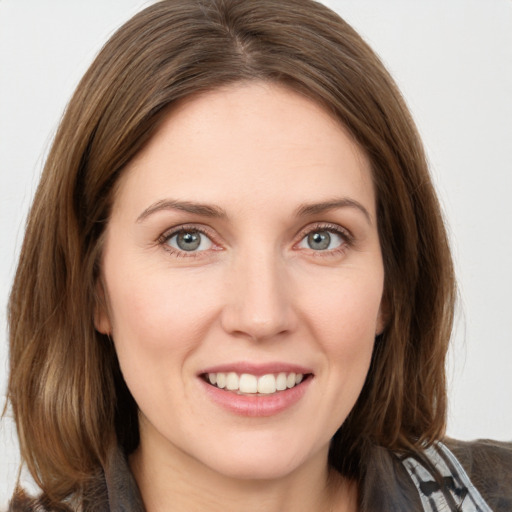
(383, 317)
(101, 316)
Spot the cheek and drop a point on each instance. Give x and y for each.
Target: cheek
(345, 312)
(157, 323)
(344, 319)
(158, 318)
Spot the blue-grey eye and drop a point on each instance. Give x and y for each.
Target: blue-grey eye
(321, 240)
(189, 241)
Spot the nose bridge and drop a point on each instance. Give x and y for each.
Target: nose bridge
(259, 304)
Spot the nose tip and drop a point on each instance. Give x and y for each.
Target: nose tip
(259, 306)
(258, 329)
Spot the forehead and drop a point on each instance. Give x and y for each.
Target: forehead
(260, 142)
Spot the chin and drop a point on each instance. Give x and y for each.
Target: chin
(258, 462)
(258, 468)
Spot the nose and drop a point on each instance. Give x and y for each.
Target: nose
(258, 305)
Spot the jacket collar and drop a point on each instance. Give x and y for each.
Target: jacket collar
(386, 486)
(122, 490)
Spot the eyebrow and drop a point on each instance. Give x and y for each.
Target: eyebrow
(205, 210)
(333, 204)
(208, 210)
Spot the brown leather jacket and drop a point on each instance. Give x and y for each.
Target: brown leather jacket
(387, 486)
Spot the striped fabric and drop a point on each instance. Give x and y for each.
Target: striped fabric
(457, 493)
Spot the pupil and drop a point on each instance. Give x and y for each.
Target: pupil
(319, 240)
(188, 241)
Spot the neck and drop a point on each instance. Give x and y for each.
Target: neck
(183, 484)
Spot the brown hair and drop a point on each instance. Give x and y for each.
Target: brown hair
(67, 394)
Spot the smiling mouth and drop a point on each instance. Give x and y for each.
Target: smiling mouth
(248, 384)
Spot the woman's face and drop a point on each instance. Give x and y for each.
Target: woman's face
(242, 256)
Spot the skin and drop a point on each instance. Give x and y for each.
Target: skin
(254, 291)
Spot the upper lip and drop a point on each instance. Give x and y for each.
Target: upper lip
(257, 368)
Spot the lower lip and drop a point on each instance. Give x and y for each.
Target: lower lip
(257, 405)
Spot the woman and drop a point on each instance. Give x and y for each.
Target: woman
(244, 291)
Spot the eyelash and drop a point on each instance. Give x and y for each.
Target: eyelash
(347, 237)
(165, 237)
(343, 233)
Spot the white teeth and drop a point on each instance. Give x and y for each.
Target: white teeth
(232, 381)
(267, 384)
(221, 380)
(250, 384)
(281, 382)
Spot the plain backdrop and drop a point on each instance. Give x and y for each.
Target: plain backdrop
(453, 61)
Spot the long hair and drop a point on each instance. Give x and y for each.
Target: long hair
(68, 397)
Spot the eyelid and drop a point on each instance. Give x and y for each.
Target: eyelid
(208, 232)
(326, 226)
(175, 230)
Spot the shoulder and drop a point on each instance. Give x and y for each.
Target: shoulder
(488, 464)
(458, 475)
